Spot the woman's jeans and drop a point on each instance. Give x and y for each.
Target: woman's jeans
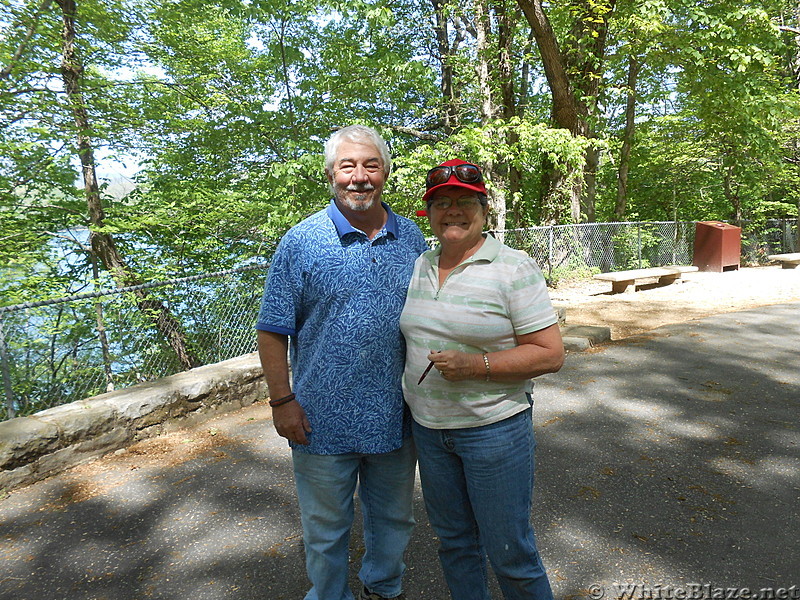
(478, 484)
(325, 487)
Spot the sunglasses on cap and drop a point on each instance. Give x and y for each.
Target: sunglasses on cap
(465, 173)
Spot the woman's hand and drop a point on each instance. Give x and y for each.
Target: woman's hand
(536, 353)
(457, 366)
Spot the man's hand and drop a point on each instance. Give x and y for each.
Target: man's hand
(291, 422)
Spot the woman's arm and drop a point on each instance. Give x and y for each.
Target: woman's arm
(536, 353)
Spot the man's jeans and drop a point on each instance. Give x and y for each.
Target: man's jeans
(477, 483)
(325, 487)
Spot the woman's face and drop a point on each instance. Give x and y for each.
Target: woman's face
(456, 216)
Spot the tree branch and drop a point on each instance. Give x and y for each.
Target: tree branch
(5, 73)
(70, 239)
(565, 108)
(422, 135)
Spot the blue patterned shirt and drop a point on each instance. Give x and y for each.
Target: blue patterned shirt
(339, 296)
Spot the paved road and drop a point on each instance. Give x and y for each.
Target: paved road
(670, 460)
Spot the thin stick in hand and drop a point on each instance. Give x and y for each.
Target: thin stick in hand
(425, 372)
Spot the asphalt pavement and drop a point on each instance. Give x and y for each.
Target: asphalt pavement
(668, 466)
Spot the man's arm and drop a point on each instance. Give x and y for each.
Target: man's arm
(290, 418)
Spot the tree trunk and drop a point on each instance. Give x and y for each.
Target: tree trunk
(558, 196)
(506, 19)
(102, 244)
(570, 93)
(585, 57)
(732, 195)
(590, 184)
(5, 369)
(627, 140)
(101, 332)
(287, 82)
(795, 59)
(505, 67)
(566, 112)
(796, 73)
(484, 32)
(496, 220)
(489, 111)
(449, 92)
(525, 76)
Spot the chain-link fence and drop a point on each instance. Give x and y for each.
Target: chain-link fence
(67, 349)
(773, 237)
(585, 247)
(563, 249)
(62, 350)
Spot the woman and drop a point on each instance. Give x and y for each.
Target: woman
(478, 313)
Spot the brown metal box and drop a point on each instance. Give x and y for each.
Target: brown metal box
(717, 246)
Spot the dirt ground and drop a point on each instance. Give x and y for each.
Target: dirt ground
(696, 295)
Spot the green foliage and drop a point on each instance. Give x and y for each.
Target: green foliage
(488, 143)
(570, 272)
(713, 103)
(631, 247)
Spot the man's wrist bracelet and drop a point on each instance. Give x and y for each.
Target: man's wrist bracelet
(486, 364)
(280, 401)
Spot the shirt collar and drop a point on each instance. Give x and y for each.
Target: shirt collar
(488, 251)
(343, 226)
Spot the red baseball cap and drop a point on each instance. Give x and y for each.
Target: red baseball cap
(454, 181)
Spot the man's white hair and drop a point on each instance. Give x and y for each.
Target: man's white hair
(360, 134)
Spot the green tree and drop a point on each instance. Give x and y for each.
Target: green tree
(78, 134)
(574, 70)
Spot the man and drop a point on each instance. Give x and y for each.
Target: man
(336, 287)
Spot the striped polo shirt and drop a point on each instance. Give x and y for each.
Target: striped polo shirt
(485, 302)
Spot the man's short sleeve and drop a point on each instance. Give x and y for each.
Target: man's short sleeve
(278, 311)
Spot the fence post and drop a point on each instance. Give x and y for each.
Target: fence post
(676, 229)
(8, 390)
(639, 243)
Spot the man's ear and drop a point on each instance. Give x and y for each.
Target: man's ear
(329, 176)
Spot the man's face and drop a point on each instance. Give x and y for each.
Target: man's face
(358, 175)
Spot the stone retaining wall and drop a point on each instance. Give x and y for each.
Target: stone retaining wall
(34, 447)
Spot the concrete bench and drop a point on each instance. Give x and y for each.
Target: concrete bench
(788, 261)
(622, 281)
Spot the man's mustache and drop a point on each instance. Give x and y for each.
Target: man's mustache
(360, 187)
